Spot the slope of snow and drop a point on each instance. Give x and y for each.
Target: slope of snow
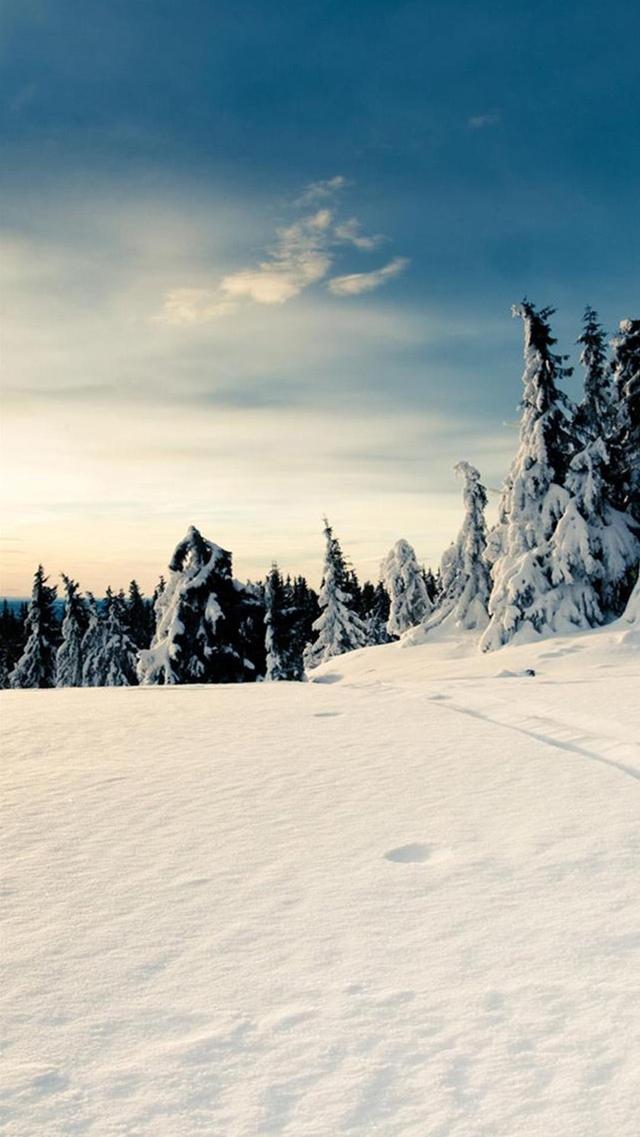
(401, 900)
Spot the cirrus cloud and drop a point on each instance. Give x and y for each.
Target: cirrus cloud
(302, 254)
(356, 282)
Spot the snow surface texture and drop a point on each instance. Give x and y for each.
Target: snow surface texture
(400, 900)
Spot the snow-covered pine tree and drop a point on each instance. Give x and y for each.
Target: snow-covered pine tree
(595, 414)
(139, 616)
(12, 639)
(198, 620)
(465, 580)
(93, 645)
(432, 584)
(283, 657)
(594, 550)
(624, 444)
(534, 496)
(37, 664)
(69, 660)
(339, 628)
(404, 582)
(119, 653)
(376, 618)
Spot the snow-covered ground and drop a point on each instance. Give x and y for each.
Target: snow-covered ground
(403, 899)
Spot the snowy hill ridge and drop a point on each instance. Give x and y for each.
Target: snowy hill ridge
(399, 900)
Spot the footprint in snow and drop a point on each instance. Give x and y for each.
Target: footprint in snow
(409, 854)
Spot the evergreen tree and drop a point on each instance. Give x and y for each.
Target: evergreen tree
(595, 414)
(625, 440)
(339, 628)
(377, 616)
(139, 616)
(593, 552)
(283, 655)
(534, 496)
(118, 652)
(93, 657)
(431, 583)
(12, 639)
(465, 579)
(37, 664)
(201, 620)
(404, 582)
(305, 610)
(69, 663)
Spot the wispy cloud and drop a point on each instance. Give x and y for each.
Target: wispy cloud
(319, 191)
(481, 121)
(356, 282)
(302, 254)
(193, 306)
(300, 257)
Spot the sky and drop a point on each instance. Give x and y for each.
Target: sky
(258, 261)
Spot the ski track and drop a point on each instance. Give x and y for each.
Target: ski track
(552, 733)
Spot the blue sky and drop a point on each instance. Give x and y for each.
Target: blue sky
(259, 259)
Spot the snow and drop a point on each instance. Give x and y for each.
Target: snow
(399, 900)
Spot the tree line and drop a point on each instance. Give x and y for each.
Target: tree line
(563, 556)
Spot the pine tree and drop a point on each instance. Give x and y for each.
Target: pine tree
(12, 640)
(377, 616)
(139, 616)
(534, 496)
(37, 664)
(594, 417)
(431, 583)
(404, 582)
(465, 579)
(93, 659)
(283, 655)
(119, 653)
(339, 628)
(625, 440)
(593, 552)
(69, 662)
(201, 620)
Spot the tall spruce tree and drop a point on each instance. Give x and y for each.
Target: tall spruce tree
(595, 414)
(405, 584)
(465, 580)
(12, 639)
(593, 551)
(139, 616)
(376, 616)
(200, 636)
(625, 439)
(36, 666)
(534, 496)
(70, 660)
(93, 673)
(283, 654)
(119, 653)
(339, 628)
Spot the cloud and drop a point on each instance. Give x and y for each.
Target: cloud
(299, 258)
(317, 191)
(193, 306)
(355, 283)
(349, 233)
(302, 254)
(480, 121)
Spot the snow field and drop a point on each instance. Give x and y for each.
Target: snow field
(402, 900)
